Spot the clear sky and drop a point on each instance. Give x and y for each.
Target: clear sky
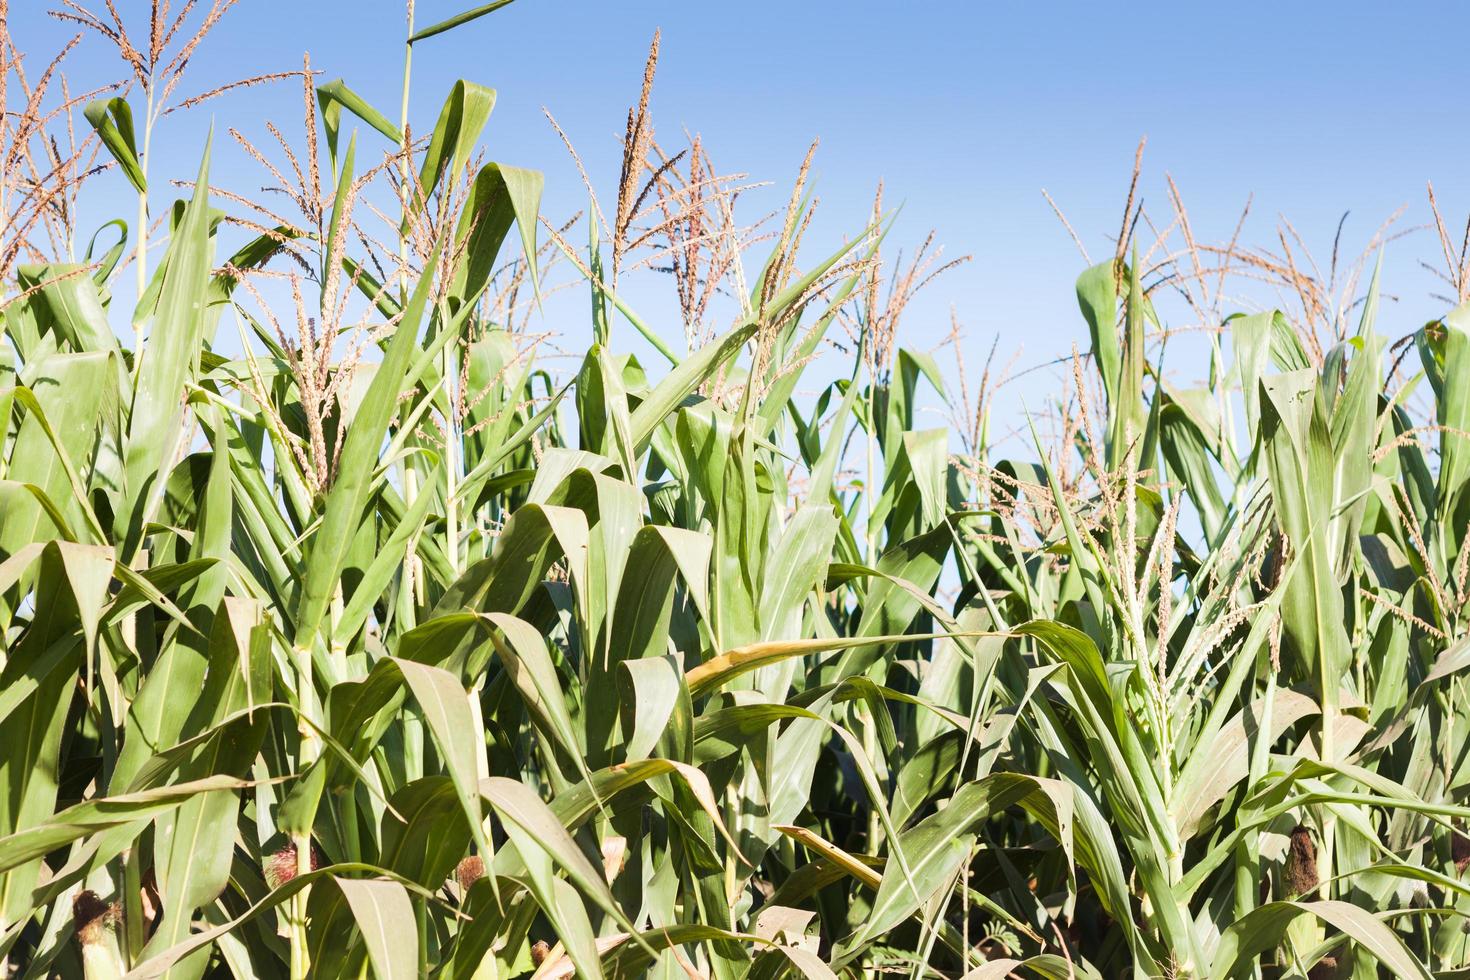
(965, 109)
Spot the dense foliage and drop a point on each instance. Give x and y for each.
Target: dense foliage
(355, 642)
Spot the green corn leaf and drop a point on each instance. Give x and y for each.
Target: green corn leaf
(465, 112)
(385, 916)
(335, 96)
(1265, 928)
(500, 194)
(73, 302)
(345, 501)
(93, 816)
(169, 361)
(446, 710)
(113, 120)
(451, 23)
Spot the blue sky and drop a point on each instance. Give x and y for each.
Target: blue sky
(965, 109)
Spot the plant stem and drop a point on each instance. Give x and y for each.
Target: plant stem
(311, 750)
(296, 914)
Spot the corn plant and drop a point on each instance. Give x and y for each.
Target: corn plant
(344, 636)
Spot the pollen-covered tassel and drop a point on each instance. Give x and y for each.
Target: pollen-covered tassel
(96, 924)
(280, 867)
(1301, 862)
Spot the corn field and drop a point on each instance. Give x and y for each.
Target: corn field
(348, 629)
